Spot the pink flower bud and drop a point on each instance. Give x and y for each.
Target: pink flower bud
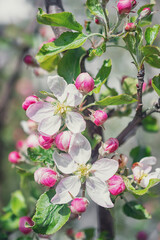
(124, 6)
(144, 87)
(29, 60)
(28, 101)
(145, 12)
(130, 27)
(134, 3)
(14, 157)
(32, 141)
(79, 205)
(62, 140)
(96, 20)
(142, 235)
(70, 232)
(98, 117)
(45, 142)
(22, 224)
(116, 185)
(45, 176)
(80, 236)
(84, 82)
(122, 160)
(20, 144)
(109, 146)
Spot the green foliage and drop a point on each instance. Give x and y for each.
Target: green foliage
(9, 222)
(95, 8)
(129, 85)
(108, 92)
(150, 124)
(69, 65)
(135, 210)
(63, 19)
(41, 155)
(151, 34)
(24, 238)
(89, 233)
(116, 100)
(153, 60)
(49, 218)
(152, 55)
(156, 84)
(18, 204)
(140, 152)
(148, 19)
(130, 41)
(97, 51)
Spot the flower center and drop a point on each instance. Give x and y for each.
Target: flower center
(60, 108)
(83, 170)
(143, 174)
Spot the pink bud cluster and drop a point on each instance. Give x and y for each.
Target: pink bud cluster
(46, 142)
(45, 176)
(79, 205)
(98, 117)
(116, 185)
(22, 224)
(110, 146)
(130, 27)
(28, 101)
(84, 83)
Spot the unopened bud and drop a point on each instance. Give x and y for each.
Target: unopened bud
(70, 232)
(98, 117)
(80, 236)
(124, 6)
(122, 160)
(79, 205)
(45, 176)
(29, 60)
(28, 101)
(145, 12)
(45, 142)
(142, 235)
(62, 140)
(134, 3)
(99, 21)
(32, 141)
(84, 82)
(50, 40)
(20, 144)
(14, 157)
(22, 224)
(109, 146)
(116, 185)
(130, 27)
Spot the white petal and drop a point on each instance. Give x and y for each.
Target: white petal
(69, 184)
(80, 148)
(145, 181)
(39, 110)
(105, 168)
(64, 162)
(25, 127)
(75, 122)
(74, 97)
(98, 192)
(57, 85)
(50, 126)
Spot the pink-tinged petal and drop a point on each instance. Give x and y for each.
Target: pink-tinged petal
(98, 192)
(50, 126)
(80, 148)
(154, 175)
(64, 162)
(39, 111)
(147, 163)
(75, 122)
(104, 168)
(57, 85)
(74, 97)
(66, 185)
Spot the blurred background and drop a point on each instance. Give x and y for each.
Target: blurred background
(21, 35)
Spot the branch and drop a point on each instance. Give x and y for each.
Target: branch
(140, 77)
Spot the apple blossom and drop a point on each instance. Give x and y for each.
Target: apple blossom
(22, 224)
(45, 176)
(50, 116)
(116, 185)
(109, 146)
(32, 141)
(14, 157)
(141, 171)
(79, 205)
(20, 144)
(124, 6)
(28, 101)
(122, 159)
(75, 162)
(62, 140)
(45, 142)
(98, 117)
(84, 82)
(130, 27)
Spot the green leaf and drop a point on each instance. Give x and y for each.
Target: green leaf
(67, 40)
(151, 34)
(89, 233)
(24, 238)
(97, 51)
(9, 222)
(150, 124)
(18, 204)
(135, 210)
(95, 8)
(49, 218)
(69, 65)
(156, 84)
(116, 100)
(140, 152)
(63, 19)
(153, 60)
(130, 41)
(39, 154)
(150, 50)
(108, 92)
(51, 63)
(129, 85)
(148, 19)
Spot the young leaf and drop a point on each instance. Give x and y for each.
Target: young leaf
(116, 100)
(135, 210)
(151, 34)
(49, 218)
(9, 222)
(63, 19)
(156, 84)
(130, 41)
(69, 65)
(140, 152)
(129, 85)
(39, 154)
(18, 204)
(95, 8)
(150, 124)
(153, 60)
(150, 50)
(98, 51)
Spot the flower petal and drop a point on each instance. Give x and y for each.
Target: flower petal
(105, 168)
(147, 163)
(40, 110)
(145, 181)
(74, 97)
(57, 85)
(66, 185)
(80, 148)
(64, 162)
(50, 126)
(75, 122)
(98, 192)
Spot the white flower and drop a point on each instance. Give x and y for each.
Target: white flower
(141, 171)
(75, 162)
(49, 115)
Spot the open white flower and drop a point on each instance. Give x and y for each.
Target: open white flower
(75, 163)
(49, 115)
(141, 171)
